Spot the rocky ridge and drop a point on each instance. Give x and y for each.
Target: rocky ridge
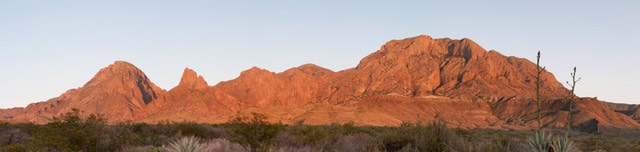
(409, 80)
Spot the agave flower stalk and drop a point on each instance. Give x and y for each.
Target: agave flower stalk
(571, 96)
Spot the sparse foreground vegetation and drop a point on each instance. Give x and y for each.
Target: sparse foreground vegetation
(544, 142)
(73, 133)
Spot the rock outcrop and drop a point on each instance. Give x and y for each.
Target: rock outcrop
(631, 110)
(191, 80)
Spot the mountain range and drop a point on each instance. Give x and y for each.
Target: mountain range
(417, 79)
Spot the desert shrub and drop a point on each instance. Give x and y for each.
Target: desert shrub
(305, 137)
(418, 137)
(193, 129)
(223, 145)
(255, 132)
(293, 149)
(397, 139)
(70, 132)
(156, 135)
(161, 134)
(346, 128)
(437, 137)
(12, 136)
(14, 148)
(499, 143)
(126, 136)
(137, 134)
(359, 142)
(602, 144)
(288, 139)
(142, 149)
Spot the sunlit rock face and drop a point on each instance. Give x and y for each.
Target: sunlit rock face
(418, 79)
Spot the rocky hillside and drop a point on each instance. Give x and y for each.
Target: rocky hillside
(418, 79)
(631, 110)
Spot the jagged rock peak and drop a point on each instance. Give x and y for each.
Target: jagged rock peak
(190, 79)
(122, 79)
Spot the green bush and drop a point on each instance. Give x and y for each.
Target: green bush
(255, 132)
(70, 132)
(315, 136)
(418, 137)
(397, 139)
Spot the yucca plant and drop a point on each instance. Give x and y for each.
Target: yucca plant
(563, 145)
(539, 142)
(185, 144)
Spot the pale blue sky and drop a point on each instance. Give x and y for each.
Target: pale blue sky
(48, 47)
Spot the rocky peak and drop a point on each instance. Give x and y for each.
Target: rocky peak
(314, 70)
(255, 71)
(122, 78)
(191, 80)
(412, 46)
(121, 70)
(121, 66)
(404, 51)
(422, 65)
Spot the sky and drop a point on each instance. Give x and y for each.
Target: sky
(48, 47)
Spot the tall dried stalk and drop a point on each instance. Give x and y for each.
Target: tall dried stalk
(571, 96)
(538, 86)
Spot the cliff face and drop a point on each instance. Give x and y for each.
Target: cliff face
(409, 80)
(461, 69)
(631, 110)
